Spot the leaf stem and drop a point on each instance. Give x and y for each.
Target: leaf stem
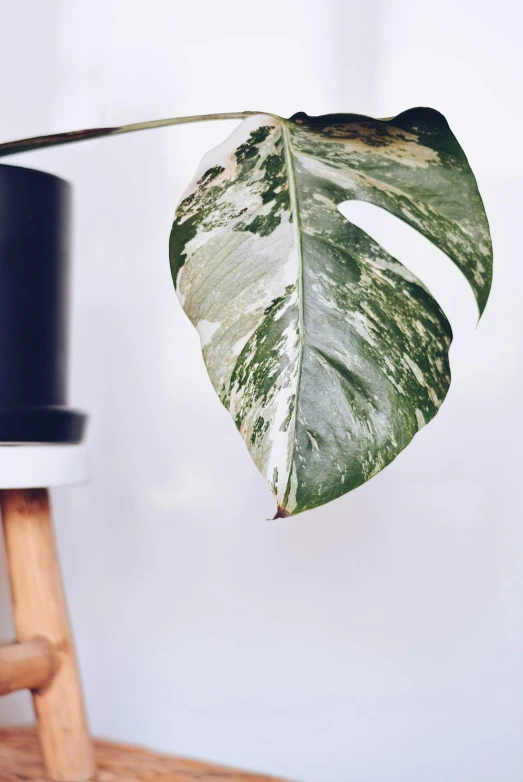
(40, 142)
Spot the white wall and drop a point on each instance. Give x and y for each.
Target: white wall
(379, 638)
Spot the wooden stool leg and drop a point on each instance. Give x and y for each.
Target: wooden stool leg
(40, 610)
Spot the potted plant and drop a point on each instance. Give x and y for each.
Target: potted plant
(328, 353)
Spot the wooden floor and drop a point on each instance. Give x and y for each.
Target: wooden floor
(20, 760)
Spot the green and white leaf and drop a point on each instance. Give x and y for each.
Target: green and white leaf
(329, 354)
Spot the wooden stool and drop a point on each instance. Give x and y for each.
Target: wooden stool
(43, 660)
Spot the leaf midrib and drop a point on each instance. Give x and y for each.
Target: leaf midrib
(295, 212)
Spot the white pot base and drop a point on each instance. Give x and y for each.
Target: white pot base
(41, 466)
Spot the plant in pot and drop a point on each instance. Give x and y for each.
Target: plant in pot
(327, 351)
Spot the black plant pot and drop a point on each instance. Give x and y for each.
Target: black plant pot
(34, 298)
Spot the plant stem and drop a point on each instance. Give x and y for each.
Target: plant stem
(162, 123)
(40, 142)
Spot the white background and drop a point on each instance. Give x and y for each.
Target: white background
(378, 639)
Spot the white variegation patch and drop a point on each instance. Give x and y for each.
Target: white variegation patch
(206, 331)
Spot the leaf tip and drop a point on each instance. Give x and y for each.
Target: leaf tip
(281, 513)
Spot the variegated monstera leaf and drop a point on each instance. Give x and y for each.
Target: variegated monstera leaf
(329, 354)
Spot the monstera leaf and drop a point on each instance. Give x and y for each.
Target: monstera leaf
(328, 353)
